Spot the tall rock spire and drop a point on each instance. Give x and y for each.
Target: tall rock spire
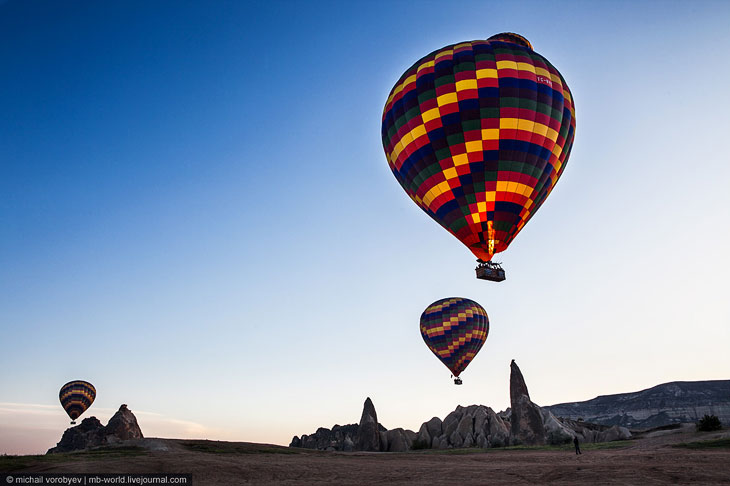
(527, 426)
(368, 435)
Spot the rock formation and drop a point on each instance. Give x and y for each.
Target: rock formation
(669, 403)
(339, 438)
(90, 433)
(480, 426)
(526, 422)
(368, 435)
(429, 433)
(561, 431)
(397, 440)
(122, 426)
(472, 426)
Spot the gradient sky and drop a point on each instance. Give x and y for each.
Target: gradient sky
(197, 215)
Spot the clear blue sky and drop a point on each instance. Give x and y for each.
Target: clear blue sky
(197, 215)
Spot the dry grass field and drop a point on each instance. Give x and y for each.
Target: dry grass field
(680, 456)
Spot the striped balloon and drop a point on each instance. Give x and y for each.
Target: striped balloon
(455, 329)
(76, 397)
(477, 134)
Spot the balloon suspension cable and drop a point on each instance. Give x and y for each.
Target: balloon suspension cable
(489, 264)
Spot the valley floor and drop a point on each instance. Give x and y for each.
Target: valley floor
(663, 457)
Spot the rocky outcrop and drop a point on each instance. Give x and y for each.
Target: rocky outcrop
(123, 426)
(368, 435)
(614, 433)
(90, 433)
(499, 430)
(398, 440)
(561, 431)
(527, 426)
(556, 432)
(472, 426)
(475, 426)
(669, 403)
(480, 426)
(339, 438)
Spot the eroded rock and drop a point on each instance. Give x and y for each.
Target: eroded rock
(368, 434)
(527, 426)
(90, 433)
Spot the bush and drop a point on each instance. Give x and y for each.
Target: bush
(555, 438)
(709, 423)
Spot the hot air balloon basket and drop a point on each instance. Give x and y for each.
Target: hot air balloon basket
(490, 271)
(457, 381)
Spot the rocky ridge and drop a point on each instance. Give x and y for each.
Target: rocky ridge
(473, 426)
(669, 403)
(368, 435)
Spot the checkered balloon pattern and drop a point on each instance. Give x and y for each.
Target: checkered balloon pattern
(76, 397)
(455, 329)
(477, 134)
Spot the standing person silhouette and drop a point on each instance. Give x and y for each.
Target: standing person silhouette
(577, 445)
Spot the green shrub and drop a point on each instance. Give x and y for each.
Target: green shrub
(558, 439)
(709, 423)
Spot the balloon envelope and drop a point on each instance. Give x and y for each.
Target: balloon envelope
(477, 134)
(455, 329)
(76, 396)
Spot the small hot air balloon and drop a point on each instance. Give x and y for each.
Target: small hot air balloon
(455, 329)
(76, 396)
(478, 133)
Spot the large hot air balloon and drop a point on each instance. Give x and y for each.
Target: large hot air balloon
(455, 329)
(76, 396)
(478, 133)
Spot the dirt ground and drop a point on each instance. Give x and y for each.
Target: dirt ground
(648, 460)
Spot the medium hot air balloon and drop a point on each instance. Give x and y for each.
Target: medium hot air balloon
(477, 134)
(76, 396)
(455, 329)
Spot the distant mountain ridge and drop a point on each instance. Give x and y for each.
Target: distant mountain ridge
(665, 404)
